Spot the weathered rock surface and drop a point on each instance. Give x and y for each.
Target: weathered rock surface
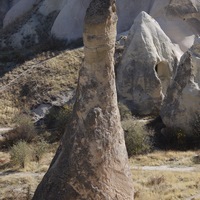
(127, 10)
(19, 9)
(178, 19)
(92, 161)
(181, 107)
(28, 23)
(146, 67)
(5, 5)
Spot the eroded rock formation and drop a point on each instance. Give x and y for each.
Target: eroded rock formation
(63, 19)
(181, 107)
(5, 5)
(92, 162)
(179, 20)
(146, 67)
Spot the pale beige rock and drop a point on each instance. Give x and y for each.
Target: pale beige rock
(180, 20)
(92, 162)
(181, 107)
(18, 10)
(146, 67)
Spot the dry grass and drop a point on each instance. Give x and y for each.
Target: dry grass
(18, 186)
(43, 79)
(165, 185)
(157, 185)
(18, 183)
(149, 185)
(171, 158)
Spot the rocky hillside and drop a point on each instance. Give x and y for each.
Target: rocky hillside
(49, 78)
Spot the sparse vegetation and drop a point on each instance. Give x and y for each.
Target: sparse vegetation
(165, 185)
(25, 130)
(137, 137)
(57, 119)
(40, 148)
(48, 77)
(125, 113)
(21, 154)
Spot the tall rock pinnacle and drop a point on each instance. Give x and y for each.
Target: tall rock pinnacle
(92, 162)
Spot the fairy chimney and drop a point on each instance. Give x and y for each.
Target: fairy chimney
(92, 162)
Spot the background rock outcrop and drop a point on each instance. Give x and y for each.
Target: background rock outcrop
(178, 19)
(18, 10)
(5, 5)
(147, 66)
(92, 161)
(181, 107)
(63, 20)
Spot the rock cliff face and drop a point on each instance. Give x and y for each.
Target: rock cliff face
(92, 161)
(146, 67)
(181, 107)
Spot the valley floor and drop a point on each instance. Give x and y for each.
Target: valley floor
(161, 175)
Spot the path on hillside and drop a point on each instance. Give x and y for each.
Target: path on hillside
(21, 174)
(194, 197)
(6, 129)
(167, 168)
(29, 65)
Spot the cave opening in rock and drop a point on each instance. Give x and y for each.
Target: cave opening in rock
(164, 74)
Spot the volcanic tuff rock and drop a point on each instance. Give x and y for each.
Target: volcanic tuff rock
(146, 67)
(63, 19)
(28, 23)
(127, 10)
(18, 10)
(5, 5)
(92, 161)
(181, 107)
(180, 20)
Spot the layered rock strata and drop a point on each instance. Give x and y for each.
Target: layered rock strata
(92, 161)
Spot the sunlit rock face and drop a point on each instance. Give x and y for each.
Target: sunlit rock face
(28, 23)
(73, 13)
(147, 66)
(180, 20)
(181, 107)
(63, 19)
(92, 161)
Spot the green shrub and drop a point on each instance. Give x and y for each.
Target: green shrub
(57, 119)
(21, 153)
(125, 113)
(137, 137)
